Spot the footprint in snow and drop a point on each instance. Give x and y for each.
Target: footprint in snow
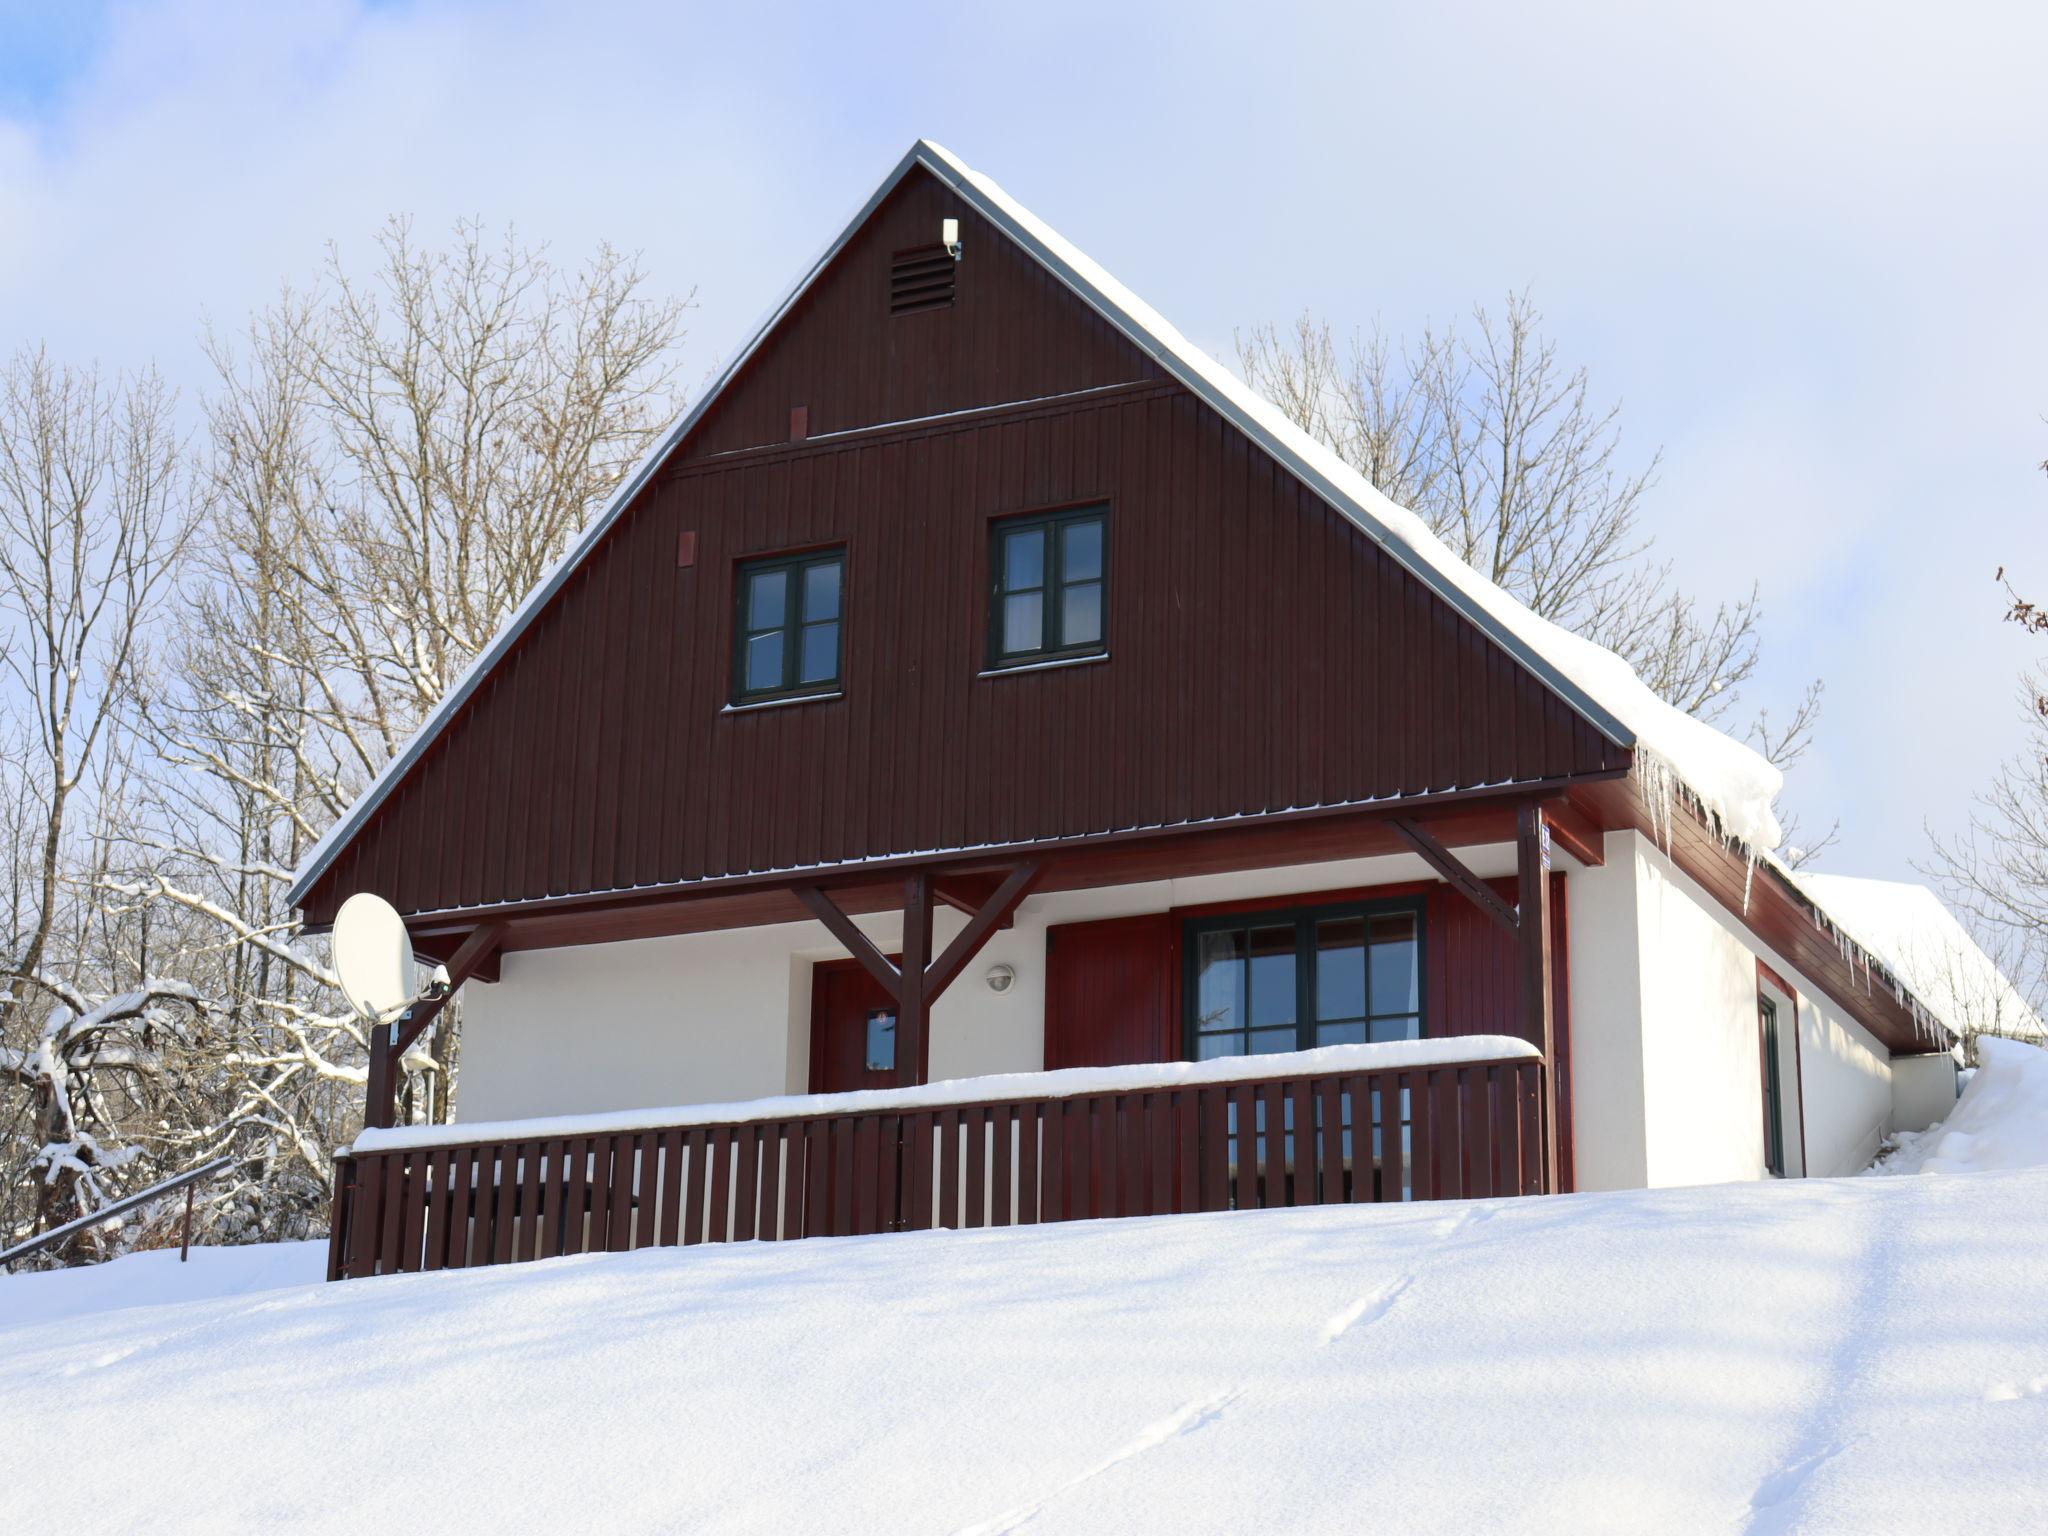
(1369, 1308)
(1183, 1421)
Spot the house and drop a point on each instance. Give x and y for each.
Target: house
(980, 682)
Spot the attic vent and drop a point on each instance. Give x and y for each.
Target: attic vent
(921, 279)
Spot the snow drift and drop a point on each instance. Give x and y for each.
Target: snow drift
(2001, 1120)
(1824, 1356)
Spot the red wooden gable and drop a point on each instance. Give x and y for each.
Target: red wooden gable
(1264, 654)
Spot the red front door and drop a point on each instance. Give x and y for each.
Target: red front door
(853, 1030)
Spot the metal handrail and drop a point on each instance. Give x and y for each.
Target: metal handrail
(184, 1181)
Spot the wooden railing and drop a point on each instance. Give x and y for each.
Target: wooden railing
(1439, 1132)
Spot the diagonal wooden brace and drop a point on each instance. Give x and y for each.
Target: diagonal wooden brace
(1447, 864)
(470, 956)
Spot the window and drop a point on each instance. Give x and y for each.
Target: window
(881, 1041)
(1262, 982)
(1291, 981)
(787, 641)
(1774, 1093)
(1050, 574)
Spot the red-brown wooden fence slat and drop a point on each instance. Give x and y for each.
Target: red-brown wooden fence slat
(668, 1229)
(1052, 1187)
(391, 1220)
(1002, 1130)
(1478, 1102)
(718, 1216)
(455, 1251)
(597, 1196)
(949, 1167)
(635, 1192)
(626, 1176)
(781, 1182)
(410, 1239)
(1080, 1159)
(362, 1244)
(1301, 1183)
(1187, 1130)
(1391, 1086)
(1330, 1144)
(1213, 1115)
(840, 1197)
(1159, 1150)
(889, 1174)
(529, 1203)
(865, 1164)
(817, 1173)
(1422, 1137)
(504, 1204)
(745, 1182)
(343, 1205)
(1273, 1191)
(434, 1240)
(694, 1142)
(976, 1171)
(1245, 1102)
(1507, 1140)
(1450, 1139)
(1107, 1154)
(1028, 1121)
(1356, 1092)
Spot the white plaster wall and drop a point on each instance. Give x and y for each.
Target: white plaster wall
(1846, 1083)
(1701, 1094)
(1610, 1148)
(1702, 1085)
(707, 1018)
(1923, 1090)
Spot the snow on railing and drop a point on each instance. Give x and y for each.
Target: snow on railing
(1012, 1087)
(1423, 1120)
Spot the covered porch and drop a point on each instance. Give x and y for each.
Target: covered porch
(1238, 1124)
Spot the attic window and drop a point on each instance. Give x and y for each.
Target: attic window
(921, 279)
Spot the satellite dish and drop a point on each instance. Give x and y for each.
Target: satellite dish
(373, 957)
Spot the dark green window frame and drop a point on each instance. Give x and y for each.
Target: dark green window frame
(1774, 1090)
(1308, 924)
(789, 635)
(1065, 583)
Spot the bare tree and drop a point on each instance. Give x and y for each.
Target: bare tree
(89, 536)
(1499, 447)
(393, 460)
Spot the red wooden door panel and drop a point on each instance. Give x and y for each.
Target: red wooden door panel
(853, 1022)
(1109, 994)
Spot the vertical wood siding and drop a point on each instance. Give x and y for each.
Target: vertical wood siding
(1263, 654)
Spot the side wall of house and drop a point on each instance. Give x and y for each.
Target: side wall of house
(715, 1017)
(1668, 1077)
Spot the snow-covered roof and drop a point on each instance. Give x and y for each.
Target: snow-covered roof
(1914, 933)
(1730, 780)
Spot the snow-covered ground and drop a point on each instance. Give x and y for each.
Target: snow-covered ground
(1852, 1355)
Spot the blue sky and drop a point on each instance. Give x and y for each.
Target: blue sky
(1801, 243)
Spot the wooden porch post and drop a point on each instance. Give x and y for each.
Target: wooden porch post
(380, 1100)
(913, 993)
(1532, 872)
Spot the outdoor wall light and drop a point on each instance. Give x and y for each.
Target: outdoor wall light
(1001, 978)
